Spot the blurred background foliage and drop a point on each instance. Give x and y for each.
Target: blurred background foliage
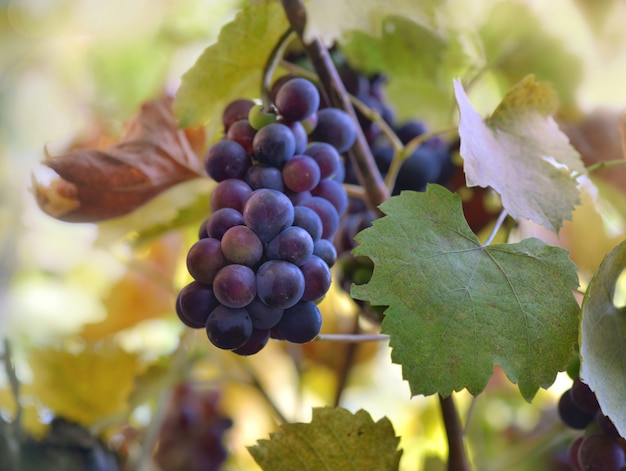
(90, 315)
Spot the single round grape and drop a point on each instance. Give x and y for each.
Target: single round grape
(274, 144)
(226, 159)
(242, 133)
(301, 173)
(280, 284)
(570, 414)
(297, 99)
(410, 130)
(236, 110)
(260, 117)
(327, 213)
(222, 220)
(205, 259)
(293, 245)
(584, 397)
(308, 219)
(194, 303)
(228, 328)
(334, 192)
(327, 158)
(229, 193)
(335, 127)
(264, 176)
(421, 167)
(317, 278)
(258, 339)
(300, 323)
(241, 245)
(235, 285)
(267, 212)
(600, 453)
(325, 250)
(262, 315)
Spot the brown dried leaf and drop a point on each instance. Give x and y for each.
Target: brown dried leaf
(152, 156)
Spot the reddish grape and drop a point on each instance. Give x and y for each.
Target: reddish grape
(205, 259)
(235, 285)
(301, 173)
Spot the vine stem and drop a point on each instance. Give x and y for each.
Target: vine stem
(605, 164)
(352, 338)
(335, 93)
(457, 456)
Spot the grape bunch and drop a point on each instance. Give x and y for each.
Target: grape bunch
(191, 435)
(263, 256)
(601, 448)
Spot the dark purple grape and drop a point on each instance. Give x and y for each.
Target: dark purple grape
(241, 245)
(229, 328)
(300, 323)
(383, 155)
(325, 250)
(264, 176)
(267, 212)
(301, 173)
(308, 219)
(274, 144)
(570, 414)
(258, 339)
(226, 159)
(293, 245)
(421, 167)
(262, 315)
(297, 99)
(222, 220)
(334, 192)
(229, 193)
(335, 127)
(317, 278)
(205, 259)
(235, 285)
(194, 304)
(600, 453)
(242, 133)
(327, 213)
(236, 110)
(327, 158)
(296, 197)
(299, 134)
(279, 284)
(410, 130)
(584, 397)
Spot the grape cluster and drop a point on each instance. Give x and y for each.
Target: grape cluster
(263, 257)
(601, 448)
(190, 437)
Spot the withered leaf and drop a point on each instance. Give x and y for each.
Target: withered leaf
(94, 185)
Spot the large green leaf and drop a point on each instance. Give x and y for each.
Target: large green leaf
(603, 339)
(521, 153)
(330, 20)
(231, 68)
(419, 62)
(335, 440)
(457, 308)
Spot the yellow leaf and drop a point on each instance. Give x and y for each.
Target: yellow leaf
(85, 386)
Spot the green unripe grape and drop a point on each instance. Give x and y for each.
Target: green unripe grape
(259, 117)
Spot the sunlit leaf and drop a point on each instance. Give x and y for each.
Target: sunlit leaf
(232, 67)
(419, 62)
(87, 385)
(603, 339)
(93, 185)
(520, 152)
(331, 19)
(334, 440)
(457, 308)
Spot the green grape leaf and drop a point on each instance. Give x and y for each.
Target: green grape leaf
(515, 42)
(419, 62)
(335, 440)
(521, 153)
(232, 67)
(457, 308)
(329, 20)
(603, 339)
